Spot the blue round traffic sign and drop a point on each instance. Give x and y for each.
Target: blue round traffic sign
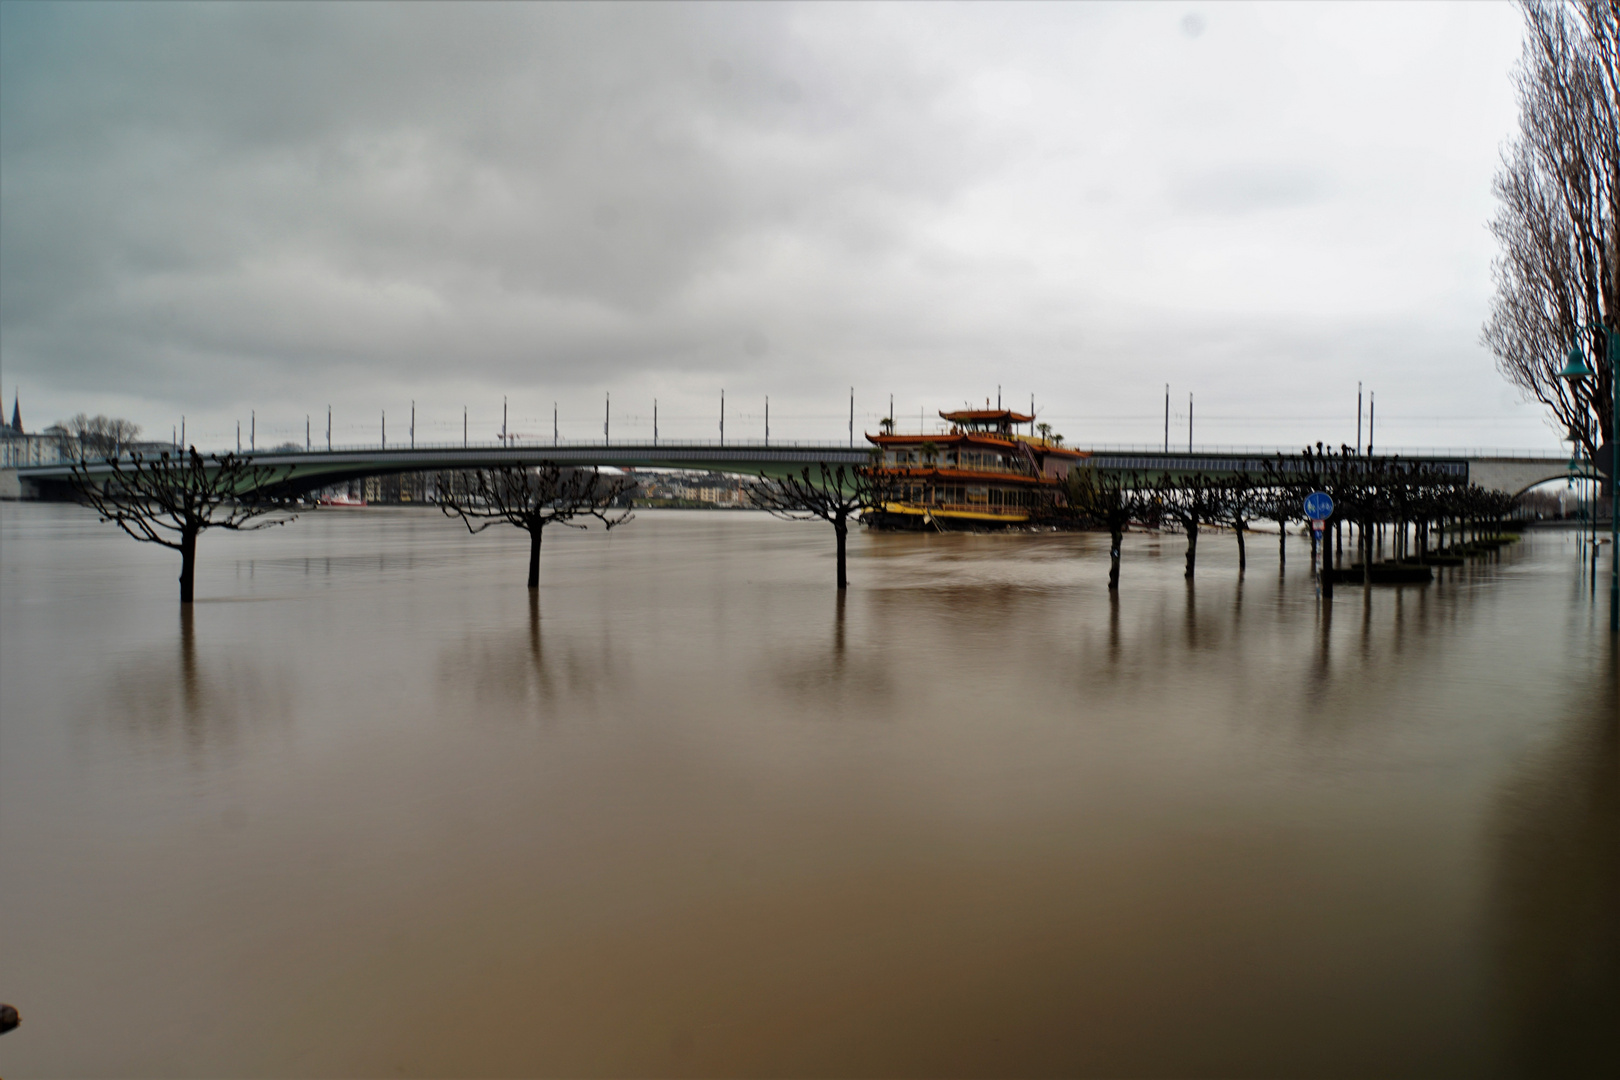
(1318, 505)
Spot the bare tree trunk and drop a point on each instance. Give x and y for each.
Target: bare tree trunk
(1116, 536)
(1243, 555)
(1366, 554)
(1192, 547)
(534, 557)
(843, 533)
(1282, 544)
(188, 564)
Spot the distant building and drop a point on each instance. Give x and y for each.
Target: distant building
(17, 447)
(692, 490)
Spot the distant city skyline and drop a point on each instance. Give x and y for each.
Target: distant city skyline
(215, 210)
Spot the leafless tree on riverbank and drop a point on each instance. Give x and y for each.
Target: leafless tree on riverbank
(1558, 222)
(532, 499)
(92, 438)
(169, 500)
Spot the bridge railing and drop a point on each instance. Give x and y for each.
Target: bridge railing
(1199, 449)
(1214, 449)
(406, 446)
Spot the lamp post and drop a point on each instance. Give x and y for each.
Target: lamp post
(1576, 370)
(1574, 441)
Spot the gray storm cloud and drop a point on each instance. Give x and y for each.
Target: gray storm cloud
(210, 208)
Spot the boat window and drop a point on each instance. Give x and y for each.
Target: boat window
(982, 459)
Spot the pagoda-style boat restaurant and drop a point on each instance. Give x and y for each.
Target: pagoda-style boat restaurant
(981, 474)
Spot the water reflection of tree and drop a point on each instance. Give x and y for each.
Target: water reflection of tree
(829, 673)
(169, 693)
(506, 668)
(1557, 898)
(1266, 637)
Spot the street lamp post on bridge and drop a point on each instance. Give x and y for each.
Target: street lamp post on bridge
(1575, 371)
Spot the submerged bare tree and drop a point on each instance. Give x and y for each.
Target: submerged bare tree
(1558, 223)
(1238, 504)
(832, 495)
(534, 498)
(1109, 500)
(1191, 501)
(1281, 498)
(169, 500)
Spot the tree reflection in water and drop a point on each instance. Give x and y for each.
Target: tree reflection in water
(836, 683)
(502, 670)
(177, 695)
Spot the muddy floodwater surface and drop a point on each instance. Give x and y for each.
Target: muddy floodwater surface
(371, 809)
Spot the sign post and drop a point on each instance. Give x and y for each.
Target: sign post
(1319, 508)
(1319, 505)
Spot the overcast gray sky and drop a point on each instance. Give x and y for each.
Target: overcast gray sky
(209, 209)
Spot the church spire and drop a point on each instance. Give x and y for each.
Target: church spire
(16, 412)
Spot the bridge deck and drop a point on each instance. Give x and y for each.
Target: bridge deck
(308, 470)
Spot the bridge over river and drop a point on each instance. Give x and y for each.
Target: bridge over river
(1508, 471)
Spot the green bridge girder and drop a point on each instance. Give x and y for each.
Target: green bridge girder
(311, 470)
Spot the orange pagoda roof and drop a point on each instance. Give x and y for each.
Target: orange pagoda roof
(981, 416)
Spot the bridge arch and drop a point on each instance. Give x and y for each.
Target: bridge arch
(1515, 476)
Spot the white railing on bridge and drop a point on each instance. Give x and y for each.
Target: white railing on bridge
(1209, 450)
(1203, 449)
(560, 444)
(531, 445)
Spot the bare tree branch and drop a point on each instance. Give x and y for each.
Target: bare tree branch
(532, 499)
(832, 495)
(169, 500)
(1558, 223)
(1107, 500)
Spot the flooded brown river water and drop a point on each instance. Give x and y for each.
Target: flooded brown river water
(370, 812)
